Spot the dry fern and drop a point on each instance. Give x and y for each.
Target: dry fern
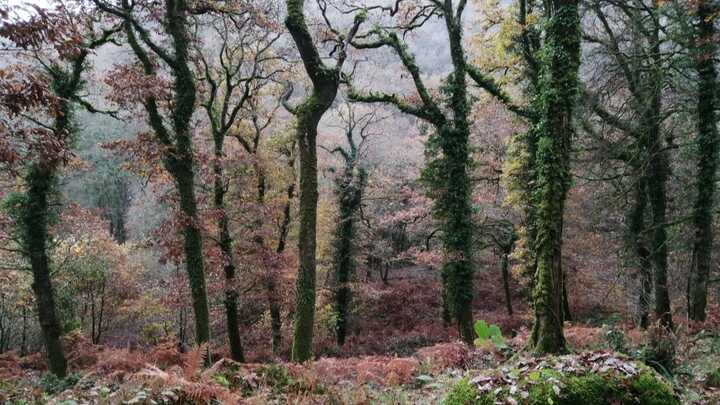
(191, 383)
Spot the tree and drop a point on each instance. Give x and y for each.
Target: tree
(235, 73)
(641, 64)
(325, 83)
(111, 189)
(554, 101)
(447, 172)
(57, 44)
(176, 139)
(350, 185)
(707, 149)
(94, 281)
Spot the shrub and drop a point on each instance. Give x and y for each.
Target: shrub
(463, 393)
(660, 351)
(52, 384)
(615, 338)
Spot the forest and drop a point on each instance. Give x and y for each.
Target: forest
(359, 202)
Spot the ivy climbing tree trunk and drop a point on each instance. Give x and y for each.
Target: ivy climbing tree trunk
(35, 215)
(446, 173)
(707, 149)
(454, 200)
(180, 167)
(349, 188)
(325, 83)
(40, 179)
(176, 139)
(557, 91)
(349, 191)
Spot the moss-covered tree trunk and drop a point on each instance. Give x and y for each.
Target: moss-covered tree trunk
(349, 190)
(181, 166)
(636, 240)
(34, 220)
(447, 171)
(308, 119)
(39, 182)
(325, 82)
(454, 199)
(658, 173)
(555, 99)
(177, 140)
(707, 149)
(182, 172)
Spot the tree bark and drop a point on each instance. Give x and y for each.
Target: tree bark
(707, 149)
(658, 171)
(455, 199)
(558, 89)
(636, 239)
(305, 289)
(506, 282)
(35, 217)
(39, 179)
(225, 244)
(178, 154)
(273, 299)
(325, 83)
(349, 190)
(183, 173)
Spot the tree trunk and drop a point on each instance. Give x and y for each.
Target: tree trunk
(558, 88)
(707, 149)
(177, 144)
(23, 334)
(636, 239)
(39, 179)
(273, 299)
(183, 174)
(305, 289)
(325, 86)
(225, 244)
(567, 315)
(349, 191)
(658, 173)
(504, 269)
(455, 197)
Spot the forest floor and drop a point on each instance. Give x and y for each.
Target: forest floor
(399, 353)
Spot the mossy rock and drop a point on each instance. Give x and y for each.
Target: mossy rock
(566, 380)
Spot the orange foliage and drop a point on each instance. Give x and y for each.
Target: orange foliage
(119, 363)
(166, 354)
(581, 336)
(444, 355)
(9, 366)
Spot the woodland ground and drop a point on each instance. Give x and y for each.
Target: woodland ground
(399, 353)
